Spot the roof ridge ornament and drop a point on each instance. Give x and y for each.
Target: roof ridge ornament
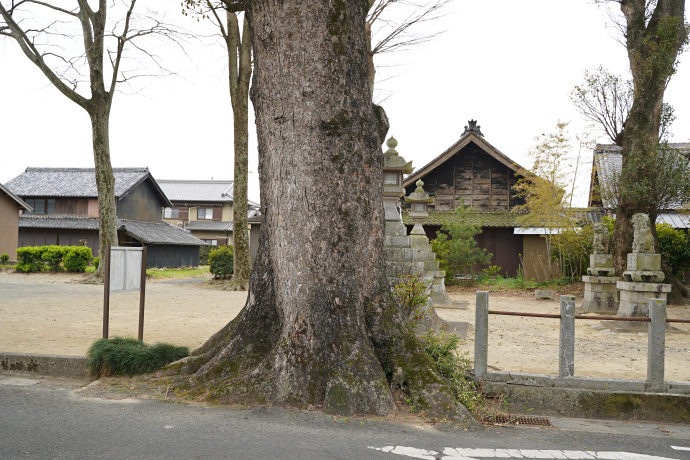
(472, 126)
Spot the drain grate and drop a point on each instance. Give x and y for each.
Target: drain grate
(507, 419)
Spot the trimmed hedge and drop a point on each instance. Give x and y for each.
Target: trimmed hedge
(33, 259)
(221, 262)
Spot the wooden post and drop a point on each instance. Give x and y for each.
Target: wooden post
(106, 290)
(142, 294)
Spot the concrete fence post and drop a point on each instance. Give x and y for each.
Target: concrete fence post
(481, 333)
(566, 343)
(656, 345)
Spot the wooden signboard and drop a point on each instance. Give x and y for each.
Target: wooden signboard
(125, 271)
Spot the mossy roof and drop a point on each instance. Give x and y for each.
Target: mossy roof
(497, 219)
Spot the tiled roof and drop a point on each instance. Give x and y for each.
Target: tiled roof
(467, 137)
(210, 225)
(158, 233)
(15, 198)
(485, 218)
(200, 191)
(71, 182)
(146, 232)
(608, 162)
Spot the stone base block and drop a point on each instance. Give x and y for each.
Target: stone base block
(601, 295)
(601, 272)
(644, 262)
(601, 260)
(634, 297)
(645, 276)
(544, 294)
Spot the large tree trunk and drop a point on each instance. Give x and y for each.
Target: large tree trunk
(653, 43)
(240, 74)
(105, 179)
(319, 328)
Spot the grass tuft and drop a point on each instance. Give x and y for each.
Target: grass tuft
(126, 356)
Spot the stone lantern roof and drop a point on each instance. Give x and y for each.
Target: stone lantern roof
(419, 195)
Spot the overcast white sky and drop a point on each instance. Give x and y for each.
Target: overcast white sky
(510, 65)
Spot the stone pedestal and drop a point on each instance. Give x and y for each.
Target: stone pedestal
(634, 302)
(601, 265)
(413, 254)
(644, 268)
(601, 294)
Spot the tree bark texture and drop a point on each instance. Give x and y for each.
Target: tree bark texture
(319, 328)
(240, 65)
(653, 43)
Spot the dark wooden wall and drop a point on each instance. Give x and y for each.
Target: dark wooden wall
(501, 242)
(143, 202)
(168, 255)
(61, 237)
(72, 206)
(505, 246)
(472, 176)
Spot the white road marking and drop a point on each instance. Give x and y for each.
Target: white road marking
(450, 453)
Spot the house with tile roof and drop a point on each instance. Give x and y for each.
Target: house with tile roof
(204, 207)
(606, 167)
(10, 207)
(475, 173)
(64, 211)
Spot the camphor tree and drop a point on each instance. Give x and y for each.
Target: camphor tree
(81, 51)
(319, 328)
(224, 14)
(655, 33)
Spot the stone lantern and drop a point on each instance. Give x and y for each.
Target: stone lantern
(394, 166)
(419, 200)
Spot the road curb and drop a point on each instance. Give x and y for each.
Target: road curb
(69, 367)
(610, 404)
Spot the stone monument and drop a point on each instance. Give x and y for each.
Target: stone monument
(410, 254)
(601, 294)
(643, 278)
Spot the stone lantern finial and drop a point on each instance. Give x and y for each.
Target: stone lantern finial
(419, 188)
(392, 143)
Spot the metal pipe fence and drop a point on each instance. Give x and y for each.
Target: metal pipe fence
(566, 349)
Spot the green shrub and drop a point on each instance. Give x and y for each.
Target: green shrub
(674, 246)
(52, 256)
(454, 367)
(4, 257)
(29, 259)
(126, 356)
(77, 258)
(221, 261)
(204, 252)
(412, 293)
(96, 261)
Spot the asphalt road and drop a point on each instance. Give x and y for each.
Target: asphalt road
(53, 421)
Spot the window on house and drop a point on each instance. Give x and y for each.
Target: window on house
(211, 242)
(204, 213)
(172, 213)
(41, 206)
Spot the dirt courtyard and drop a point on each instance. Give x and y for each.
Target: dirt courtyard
(54, 314)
